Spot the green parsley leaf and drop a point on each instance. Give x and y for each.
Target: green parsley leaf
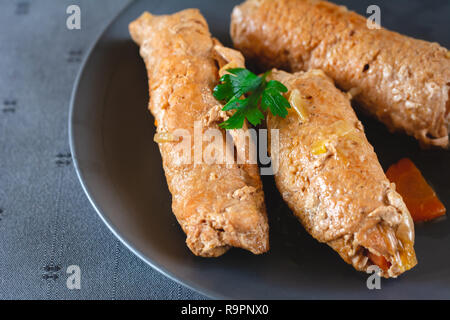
(259, 93)
(234, 122)
(272, 99)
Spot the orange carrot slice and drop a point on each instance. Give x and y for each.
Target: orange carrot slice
(380, 261)
(419, 197)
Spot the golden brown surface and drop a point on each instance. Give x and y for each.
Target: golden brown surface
(218, 206)
(330, 177)
(403, 81)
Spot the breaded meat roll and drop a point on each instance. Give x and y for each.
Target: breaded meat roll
(218, 204)
(330, 177)
(402, 81)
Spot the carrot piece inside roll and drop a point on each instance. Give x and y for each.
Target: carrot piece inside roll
(380, 261)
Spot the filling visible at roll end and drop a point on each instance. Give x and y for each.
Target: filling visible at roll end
(387, 250)
(240, 227)
(385, 239)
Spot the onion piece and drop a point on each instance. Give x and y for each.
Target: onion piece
(163, 137)
(231, 65)
(353, 92)
(299, 105)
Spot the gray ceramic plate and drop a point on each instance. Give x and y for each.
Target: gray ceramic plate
(120, 168)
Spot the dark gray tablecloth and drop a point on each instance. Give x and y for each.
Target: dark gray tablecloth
(46, 221)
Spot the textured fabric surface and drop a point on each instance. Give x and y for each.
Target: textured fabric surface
(46, 220)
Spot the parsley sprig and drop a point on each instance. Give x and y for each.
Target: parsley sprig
(259, 93)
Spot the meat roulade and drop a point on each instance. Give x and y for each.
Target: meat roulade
(218, 205)
(329, 175)
(402, 81)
